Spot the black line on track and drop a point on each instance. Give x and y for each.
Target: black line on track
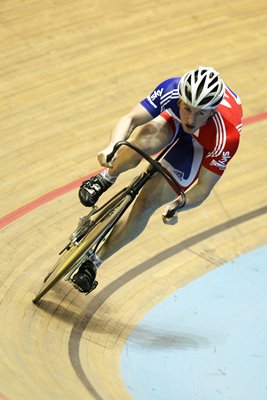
(104, 294)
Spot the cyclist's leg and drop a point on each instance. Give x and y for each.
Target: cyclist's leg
(183, 161)
(155, 193)
(151, 138)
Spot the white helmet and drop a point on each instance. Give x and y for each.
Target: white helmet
(202, 88)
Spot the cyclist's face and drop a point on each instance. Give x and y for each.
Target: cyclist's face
(193, 118)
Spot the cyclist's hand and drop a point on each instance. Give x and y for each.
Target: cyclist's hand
(169, 215)
(102, 157)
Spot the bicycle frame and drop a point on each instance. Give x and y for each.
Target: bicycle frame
(128, 194)
(154, 167)
(94, 227)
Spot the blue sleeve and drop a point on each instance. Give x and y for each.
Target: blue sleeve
(161, 97)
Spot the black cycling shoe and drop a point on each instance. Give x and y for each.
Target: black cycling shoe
(91, 190)
(84, 279)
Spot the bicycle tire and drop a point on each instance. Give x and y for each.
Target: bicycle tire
(102, 225)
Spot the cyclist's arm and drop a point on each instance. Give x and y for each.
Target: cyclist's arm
(125, 126)
(148, 109)
(123, 129)
(197, 194)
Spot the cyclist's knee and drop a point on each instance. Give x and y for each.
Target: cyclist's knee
(144, 208)
(155, 194)
(145, 139)
(152, 137)
(147, 202)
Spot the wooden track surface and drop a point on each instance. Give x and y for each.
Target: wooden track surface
(69, 70)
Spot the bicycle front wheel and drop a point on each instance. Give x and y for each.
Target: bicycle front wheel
(74, 255)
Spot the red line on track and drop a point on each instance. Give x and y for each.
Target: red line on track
(21, 211)
(255, 118)
(45, 198)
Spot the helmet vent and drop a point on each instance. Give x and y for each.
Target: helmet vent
(188, 94)
(205, 101)
(202, 88)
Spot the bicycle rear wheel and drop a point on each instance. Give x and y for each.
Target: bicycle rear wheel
(75, 254)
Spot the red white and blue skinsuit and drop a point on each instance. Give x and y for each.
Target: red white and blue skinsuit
(212, 146)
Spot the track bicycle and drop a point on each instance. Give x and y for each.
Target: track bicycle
(94, 228)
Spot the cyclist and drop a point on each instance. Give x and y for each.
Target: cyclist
(205, 115)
